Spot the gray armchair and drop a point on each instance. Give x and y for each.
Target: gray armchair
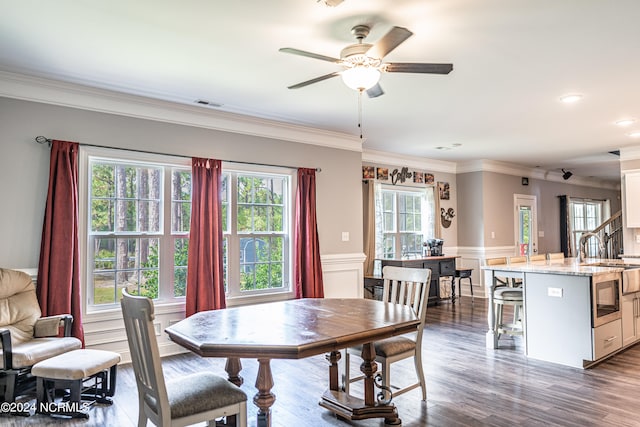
(26, 338)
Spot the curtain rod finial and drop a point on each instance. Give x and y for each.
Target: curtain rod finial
(41, 140)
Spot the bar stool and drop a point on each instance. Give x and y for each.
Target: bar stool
(464, 273)
(506, 295)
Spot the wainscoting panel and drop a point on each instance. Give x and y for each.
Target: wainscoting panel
(343, 275)
(474, 257)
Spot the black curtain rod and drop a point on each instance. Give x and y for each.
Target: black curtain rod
(42, 140)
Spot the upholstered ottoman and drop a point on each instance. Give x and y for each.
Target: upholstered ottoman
(89, 375)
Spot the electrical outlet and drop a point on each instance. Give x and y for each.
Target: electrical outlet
(554, 292)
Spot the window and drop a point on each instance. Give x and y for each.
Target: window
(587, 215)
(137, 228)
(256, 224)
(405, 220)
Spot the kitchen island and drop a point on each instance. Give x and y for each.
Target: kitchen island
(572, 310)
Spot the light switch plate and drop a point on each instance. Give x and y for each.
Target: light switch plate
(345, 236)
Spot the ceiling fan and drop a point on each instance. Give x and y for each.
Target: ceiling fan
(362, 62)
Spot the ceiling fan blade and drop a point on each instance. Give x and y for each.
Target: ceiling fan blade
(375, 91)
(316, 80)
(416, 67)
(388, 42)
(308, 54)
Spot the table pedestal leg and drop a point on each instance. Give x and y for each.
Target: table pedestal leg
(264, 399)
(353, 408)
(233, 368)
(333, 358)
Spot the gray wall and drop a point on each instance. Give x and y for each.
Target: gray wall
(24, 168)
(470, 209)
(486, 205)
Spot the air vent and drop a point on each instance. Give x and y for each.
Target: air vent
(208, 103)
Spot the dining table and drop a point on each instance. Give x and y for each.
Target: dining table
(296, 329)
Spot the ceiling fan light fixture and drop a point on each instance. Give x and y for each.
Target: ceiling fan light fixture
(361, 77)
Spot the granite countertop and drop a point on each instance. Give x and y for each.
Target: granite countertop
(567, 266)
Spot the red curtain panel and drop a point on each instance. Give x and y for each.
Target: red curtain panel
(58, 286)
(307, 265)
(205, 271)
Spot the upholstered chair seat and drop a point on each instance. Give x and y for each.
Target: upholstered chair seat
(26, 338)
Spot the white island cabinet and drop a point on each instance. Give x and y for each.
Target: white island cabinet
(562, 323)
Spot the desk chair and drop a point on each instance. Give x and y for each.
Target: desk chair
(407, 286)
(190, 399)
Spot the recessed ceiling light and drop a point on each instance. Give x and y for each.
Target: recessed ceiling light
(625, 122)
(571, 98)
(635, 134)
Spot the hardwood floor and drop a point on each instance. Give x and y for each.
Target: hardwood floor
(467, 385)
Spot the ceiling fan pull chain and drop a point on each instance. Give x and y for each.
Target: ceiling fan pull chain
(360, 112)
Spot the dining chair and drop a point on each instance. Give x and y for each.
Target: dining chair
(555, 255)
(189, 399)
(407, 286)
(538, 257)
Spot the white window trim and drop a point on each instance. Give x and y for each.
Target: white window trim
(260, 296)
(424, 215)
(113, 311)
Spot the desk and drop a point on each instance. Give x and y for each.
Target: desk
(296, 329)
(440, 266)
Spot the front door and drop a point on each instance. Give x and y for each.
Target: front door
(526, 224)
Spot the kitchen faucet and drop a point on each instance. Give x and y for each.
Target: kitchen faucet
(582, 253)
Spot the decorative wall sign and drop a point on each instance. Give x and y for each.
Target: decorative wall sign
(400, 176)
(447, 216)
(443, 190)
(382, 174)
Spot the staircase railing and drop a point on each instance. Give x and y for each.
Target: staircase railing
(610, 232)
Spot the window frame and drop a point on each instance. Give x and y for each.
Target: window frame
(233, 293)
(165, 235)
(163, 303)
(602, 214)
(395, 233)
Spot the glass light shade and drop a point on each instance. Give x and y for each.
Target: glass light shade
(361, 77)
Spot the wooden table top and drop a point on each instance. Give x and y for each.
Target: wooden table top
(292, 329)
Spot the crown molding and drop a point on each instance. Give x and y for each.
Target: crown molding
(65, 94)
(423, 163)
(630, 153)
(533, 173)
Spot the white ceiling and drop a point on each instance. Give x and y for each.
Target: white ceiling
(512, 60)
